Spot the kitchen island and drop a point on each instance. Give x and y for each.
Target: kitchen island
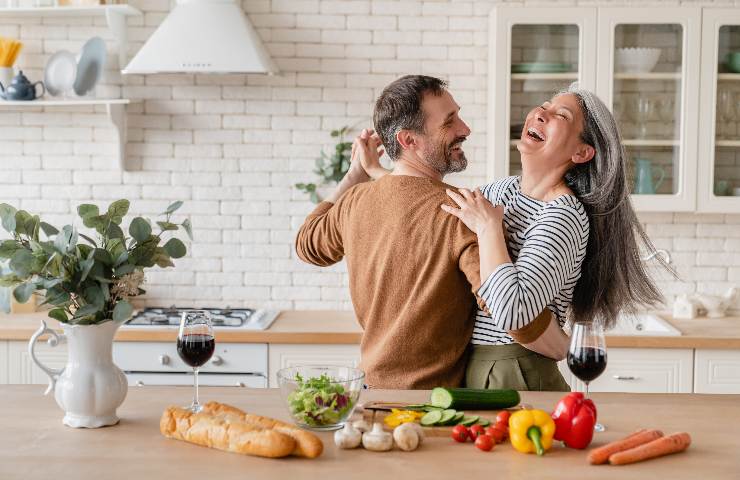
(35, 445)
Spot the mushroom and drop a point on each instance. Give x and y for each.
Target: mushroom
(377, 439)
(348, 437)
(407, 436)
(361, 425)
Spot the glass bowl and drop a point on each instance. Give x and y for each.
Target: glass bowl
(320, 397)
(637, 60)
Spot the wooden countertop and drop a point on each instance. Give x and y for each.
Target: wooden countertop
(340, 327)
(35, 444)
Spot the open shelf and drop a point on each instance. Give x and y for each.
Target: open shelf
(648, 76)
(727, 143)
(115, 107)
(545, 76)
(730, 77)
(115, 16)
(647, 142)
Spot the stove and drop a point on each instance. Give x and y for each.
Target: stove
(226, 318)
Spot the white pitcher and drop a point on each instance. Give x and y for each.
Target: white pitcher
(90, 387)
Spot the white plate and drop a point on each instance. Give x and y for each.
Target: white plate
(60, 73)
(91, 66)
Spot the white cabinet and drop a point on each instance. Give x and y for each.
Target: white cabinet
(3, 362)
(641, 370)
(21, 368)
(289, 355)
(717, 371)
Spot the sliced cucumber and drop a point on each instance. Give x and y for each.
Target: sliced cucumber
(447, 416)
(468, 421)
(456, 419)
(483, 422)
(431, 418)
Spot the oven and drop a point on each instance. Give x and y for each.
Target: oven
(232, 364)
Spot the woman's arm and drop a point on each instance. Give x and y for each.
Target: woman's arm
(369, 151)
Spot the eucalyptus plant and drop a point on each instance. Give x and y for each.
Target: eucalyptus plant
(86, 280)
(330, 168)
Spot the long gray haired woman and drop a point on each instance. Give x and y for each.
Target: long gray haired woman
(558, 244)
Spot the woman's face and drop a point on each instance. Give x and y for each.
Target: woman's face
(552, 132)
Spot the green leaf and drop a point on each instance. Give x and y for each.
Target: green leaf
(86, 265)
(124, 269)
(114, 231)
(58, 314)
(66, 240)
(188, 227)
(21, 263)
(173, 207)
(86, 311)
(49, 230)
(140, 229)
(121, 258)
(103, 256)
(117, 210)
(10, 280)
(22, 218)
(314, 197)
(122, 311)
(23, 292)
(165, 226)
(56, 296)
(162, 259)
(89, 240)
(94, 295)
(32, 227)
(7, 214)
(175, 248)
(87, 210)
(98, 222)
(8, 248)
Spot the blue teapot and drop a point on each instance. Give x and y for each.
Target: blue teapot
(644, 182)
(21, 89)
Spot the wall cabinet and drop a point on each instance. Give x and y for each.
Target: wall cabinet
(289, 355)
(717, 371)
(664, 109)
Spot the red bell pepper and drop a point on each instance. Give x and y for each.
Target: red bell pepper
(575, 417)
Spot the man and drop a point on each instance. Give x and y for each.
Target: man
(413, 268)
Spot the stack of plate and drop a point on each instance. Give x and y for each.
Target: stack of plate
(64, 73)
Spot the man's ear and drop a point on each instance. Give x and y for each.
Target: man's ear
(406, 139)
(584, 153)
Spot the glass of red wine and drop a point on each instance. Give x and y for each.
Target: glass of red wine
(195, 345)
(587, 355)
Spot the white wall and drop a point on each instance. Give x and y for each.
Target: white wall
(232, 147)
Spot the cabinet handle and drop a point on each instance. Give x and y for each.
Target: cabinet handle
(139, 383)
(217, 360)
(624, 377)
(240, 384)
(164, 359)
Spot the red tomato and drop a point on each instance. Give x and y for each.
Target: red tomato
(485, 443)
(460, 433)
(503, 417)
(476, 431)
(497, 433)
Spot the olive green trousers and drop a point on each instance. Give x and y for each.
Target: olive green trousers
(512, 366)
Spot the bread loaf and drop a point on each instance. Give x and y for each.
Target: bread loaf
(225, 434)
(307, 444)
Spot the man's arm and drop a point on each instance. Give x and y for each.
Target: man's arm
(319, 239)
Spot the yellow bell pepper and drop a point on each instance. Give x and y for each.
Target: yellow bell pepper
(397, 417)
(531, 431)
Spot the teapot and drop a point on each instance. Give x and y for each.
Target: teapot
(21, 89)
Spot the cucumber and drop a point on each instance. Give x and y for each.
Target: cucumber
(468, 421)
(483, 422)
(456, 419)
(447, 416)
(473, 398)
(430, 418)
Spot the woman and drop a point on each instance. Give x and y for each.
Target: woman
(571, 248)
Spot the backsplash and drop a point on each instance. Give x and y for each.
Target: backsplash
(232, 147)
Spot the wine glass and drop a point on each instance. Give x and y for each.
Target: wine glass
(195, 345)
(587, 355)
(643, 111)
(726, 108)
(666, 111)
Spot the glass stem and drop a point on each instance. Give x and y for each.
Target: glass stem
(586, 389)
(196, 404)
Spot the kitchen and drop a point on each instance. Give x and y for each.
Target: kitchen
(232, 148)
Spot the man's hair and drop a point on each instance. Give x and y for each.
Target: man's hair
(399, 108)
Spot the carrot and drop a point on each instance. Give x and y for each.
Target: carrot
(677, 442)
(600, 455)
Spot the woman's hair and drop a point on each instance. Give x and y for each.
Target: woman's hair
(613, 277)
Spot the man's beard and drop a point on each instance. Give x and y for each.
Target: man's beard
(443, 160)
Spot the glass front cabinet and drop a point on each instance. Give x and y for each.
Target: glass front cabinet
(671, 77)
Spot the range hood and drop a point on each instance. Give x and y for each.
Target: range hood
(203, 36)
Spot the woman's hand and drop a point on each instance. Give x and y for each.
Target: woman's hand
(367, 148)
(475, 211)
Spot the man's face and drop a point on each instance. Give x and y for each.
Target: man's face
(444, 131)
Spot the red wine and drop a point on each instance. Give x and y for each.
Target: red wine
(196, 349)
(587, 363)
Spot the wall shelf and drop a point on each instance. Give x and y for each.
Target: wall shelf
(115, 107)
(115, 16)
(545, 76)
(727, 143)
(648, 76)
(647, 142)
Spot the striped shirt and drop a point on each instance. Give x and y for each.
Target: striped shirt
(547, 243)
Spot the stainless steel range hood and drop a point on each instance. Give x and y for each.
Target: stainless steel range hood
(203, 36)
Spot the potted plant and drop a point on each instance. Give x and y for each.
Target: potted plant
(88, 283)
(330, 168)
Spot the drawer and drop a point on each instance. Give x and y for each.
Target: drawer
(717, 371)
(163, 357)
(643, 371)
(204, 380)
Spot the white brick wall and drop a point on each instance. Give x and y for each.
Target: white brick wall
(233, 146)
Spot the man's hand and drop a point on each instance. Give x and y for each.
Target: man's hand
(367, 148)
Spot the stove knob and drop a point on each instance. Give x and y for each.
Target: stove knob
(164, 359)
(217, 360)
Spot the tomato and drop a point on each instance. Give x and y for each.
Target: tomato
(485, 443)
(503, 417)
(460, 433)
(476, 431)
(496, 433)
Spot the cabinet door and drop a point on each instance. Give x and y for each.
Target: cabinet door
(21, 368)
(3, 362)
(535, 52)
(648, 73)
(719, 138)
(717, 371)
(643, 370)
(289, 355)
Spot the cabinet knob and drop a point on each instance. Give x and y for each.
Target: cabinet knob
(217, 360)
(624, 377)
(164, 359)
(139, 383)
(240, 384)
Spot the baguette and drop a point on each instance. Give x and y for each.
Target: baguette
(307, 444)
(216, 432)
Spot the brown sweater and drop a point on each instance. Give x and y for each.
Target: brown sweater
(413, 269)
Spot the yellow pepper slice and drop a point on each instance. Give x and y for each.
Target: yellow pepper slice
(397, 417)
(531, 431)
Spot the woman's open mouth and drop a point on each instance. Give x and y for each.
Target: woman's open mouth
(535, 134)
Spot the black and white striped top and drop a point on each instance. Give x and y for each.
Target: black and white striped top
(547, 243)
